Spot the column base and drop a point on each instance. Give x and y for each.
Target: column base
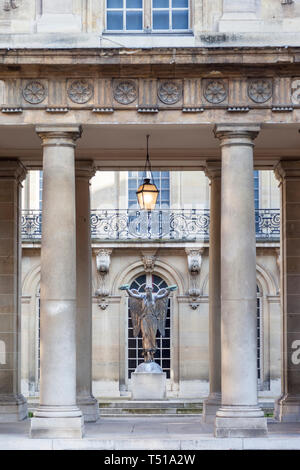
(13, 408)
(240, 421)
(57, 422)
(287, 409)
(90, 408)
(210, 407)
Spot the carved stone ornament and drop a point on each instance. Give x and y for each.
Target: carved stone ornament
(296, 91)
(194, 258)
(125, 92)
(149, 263)
(34, 92)
(103, 263)
(80, 91)
(169, 92)
(10, 5)
(260, 90)
(215, 91)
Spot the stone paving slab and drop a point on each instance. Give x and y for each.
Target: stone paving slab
(151, 433)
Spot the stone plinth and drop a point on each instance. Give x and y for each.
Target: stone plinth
(65, 428)
(148, 382)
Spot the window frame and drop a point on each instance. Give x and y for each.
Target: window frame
(124, 11)
(147, 16)
(170, 9)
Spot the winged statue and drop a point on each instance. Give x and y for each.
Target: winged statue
(148, 314)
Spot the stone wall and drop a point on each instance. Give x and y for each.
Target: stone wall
(81, 23)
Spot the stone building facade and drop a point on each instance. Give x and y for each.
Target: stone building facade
(216, 85)
(129, 256)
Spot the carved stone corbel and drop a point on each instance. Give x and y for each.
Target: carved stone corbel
(10, 5)
(149, 259)
(194, 258)
(103, 264)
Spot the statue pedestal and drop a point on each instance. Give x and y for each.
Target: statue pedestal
(148, 382)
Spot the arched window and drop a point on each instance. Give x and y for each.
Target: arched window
(135, 349)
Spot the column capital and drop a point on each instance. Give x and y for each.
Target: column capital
(12, 169)
(84, 169)
(59, 135)
(213, 169)
(287, 169)
(236, 133)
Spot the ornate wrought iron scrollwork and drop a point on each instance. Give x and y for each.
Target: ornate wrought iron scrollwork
(31, 224)
(165, 224)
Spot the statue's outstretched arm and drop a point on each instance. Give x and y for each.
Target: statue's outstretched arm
(132, 293)
(165, 292)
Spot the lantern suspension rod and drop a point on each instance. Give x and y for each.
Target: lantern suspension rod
(148, 163)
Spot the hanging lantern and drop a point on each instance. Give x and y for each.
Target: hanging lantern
(147, 193)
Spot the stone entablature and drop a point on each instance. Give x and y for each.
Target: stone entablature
(191, 95)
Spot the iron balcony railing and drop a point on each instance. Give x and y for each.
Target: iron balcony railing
(132, 224)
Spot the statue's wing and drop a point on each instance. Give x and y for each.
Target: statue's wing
(161, 308)
(136, 306)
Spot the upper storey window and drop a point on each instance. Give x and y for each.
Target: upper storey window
(170, 15)
(124, 15)
(147, 15)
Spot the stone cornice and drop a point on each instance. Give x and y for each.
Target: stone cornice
(172, 57)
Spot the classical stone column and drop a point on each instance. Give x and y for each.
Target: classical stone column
(239, 415)
(84, 170)
(12, 404)
(58, 414)
(287, 407)
(213, 402)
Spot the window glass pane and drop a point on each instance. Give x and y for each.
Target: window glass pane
(180, 3)
(115, 20)
(161, 20)
(134, 3)
(114, 3)
(160, 3)
(165, 195)
(165, 184)
(180, 20)
(134, 20)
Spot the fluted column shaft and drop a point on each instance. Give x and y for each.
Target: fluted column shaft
(239, 415)
(58, 414)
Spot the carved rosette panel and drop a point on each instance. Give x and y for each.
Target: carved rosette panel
(215, 91)
(80, 91)
(125, 92)
(295, 91)
(34, 92)
(169, 92)
(260, 90)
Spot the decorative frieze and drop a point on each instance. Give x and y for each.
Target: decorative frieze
(260, 90)
(149, 95)
(80, 91)
(125, 91)
(34, 92)
(169, 92)
(215, 91)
